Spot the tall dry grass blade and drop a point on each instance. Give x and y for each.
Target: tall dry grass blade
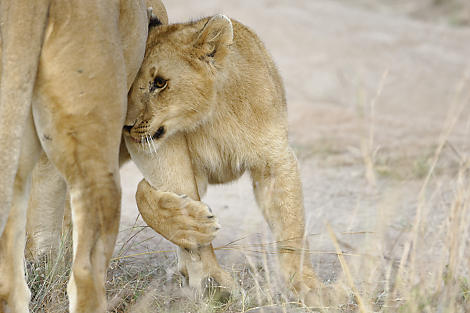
(282, 305)
(452, 118)
(457, 232)
(254, 274)
(362, 305)
(140, 254)
(267, 278)
(367, 145)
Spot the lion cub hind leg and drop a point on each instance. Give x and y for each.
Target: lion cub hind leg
(187, 223)
(201, 263)
(278, 192)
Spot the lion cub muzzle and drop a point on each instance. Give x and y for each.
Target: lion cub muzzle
(141, 132)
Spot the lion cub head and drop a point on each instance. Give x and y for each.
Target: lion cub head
(175, 89)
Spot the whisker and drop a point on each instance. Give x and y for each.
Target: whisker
(144, 143)
(154, 147)
(148, 143)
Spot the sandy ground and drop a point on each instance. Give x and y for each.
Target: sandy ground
(351, 68)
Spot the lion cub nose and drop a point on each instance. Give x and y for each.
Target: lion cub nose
(128, 128)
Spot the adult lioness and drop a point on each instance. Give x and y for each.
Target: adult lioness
(72, 63)
(210, 87)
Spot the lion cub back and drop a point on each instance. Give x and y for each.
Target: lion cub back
(253, 77)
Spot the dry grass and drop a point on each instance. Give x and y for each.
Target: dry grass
(47, 279)
(422, 267)
(424, 270)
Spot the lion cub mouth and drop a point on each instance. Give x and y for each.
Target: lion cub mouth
(127, 129)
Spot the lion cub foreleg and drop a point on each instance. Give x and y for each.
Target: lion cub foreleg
(278, 191)
(184, 220)
(187, 223)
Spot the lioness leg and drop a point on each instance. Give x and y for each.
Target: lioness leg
(49, 213)
(278, 191)
(14, 293)
(82, 96)
(89, 163)
(92, 176)
(45, 209)
(185, 221)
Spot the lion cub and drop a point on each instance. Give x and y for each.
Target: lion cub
(208, 105)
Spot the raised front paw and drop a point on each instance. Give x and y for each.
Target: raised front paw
(190, 224)
(185, 222)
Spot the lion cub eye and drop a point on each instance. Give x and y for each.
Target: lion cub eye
(158, 83)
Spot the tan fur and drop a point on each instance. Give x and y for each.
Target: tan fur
(74, 61)
(187, 223)
(45, 209)
(223, 112)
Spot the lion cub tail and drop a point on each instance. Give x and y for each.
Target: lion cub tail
(22, 24)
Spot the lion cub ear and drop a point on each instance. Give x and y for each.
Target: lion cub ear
(214, 39)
